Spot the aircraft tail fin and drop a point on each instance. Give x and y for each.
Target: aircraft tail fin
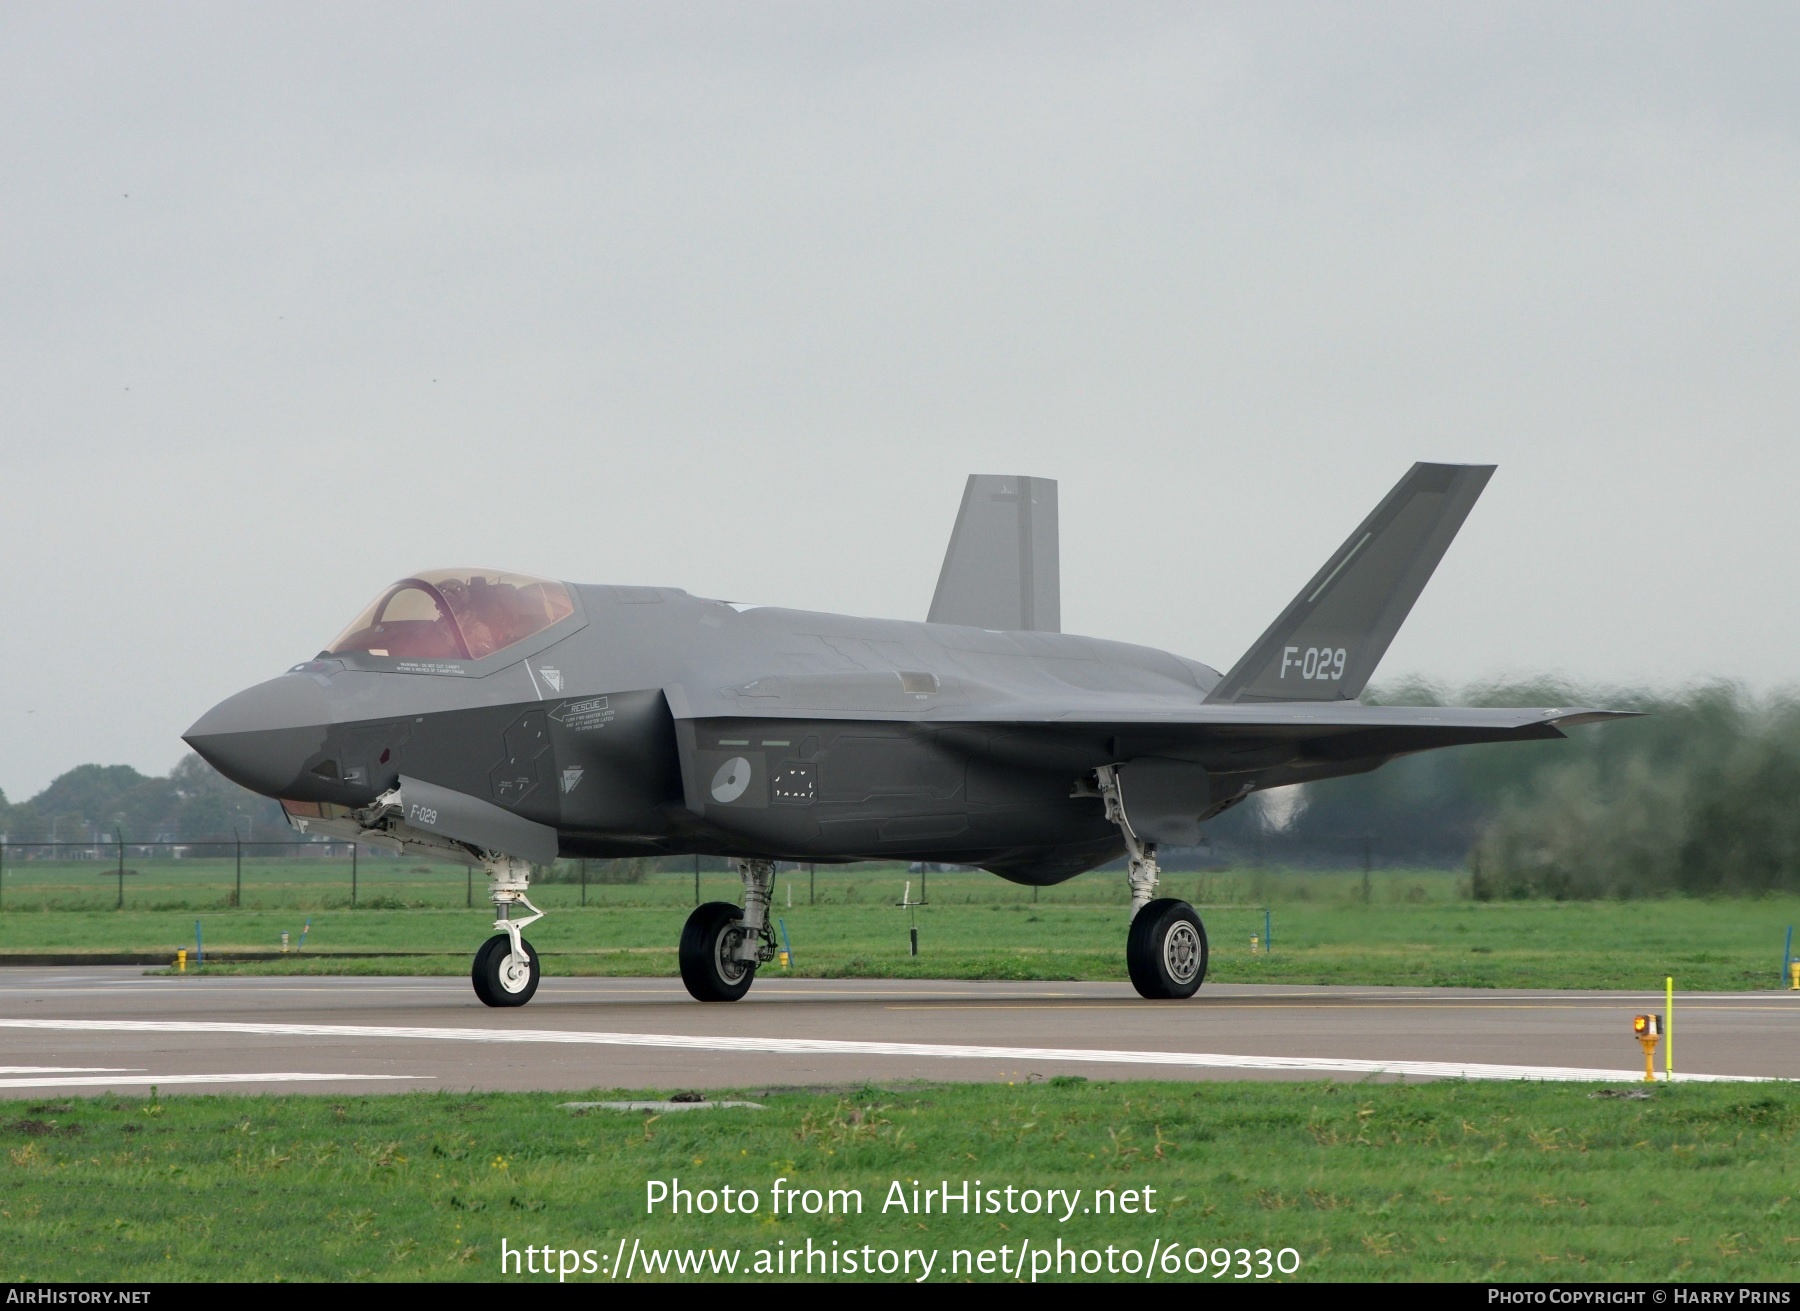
(1326, 644)
(1002, 569)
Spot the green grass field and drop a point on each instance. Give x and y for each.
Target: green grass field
(1363, 1181)
(1413, 928)
(1366, 1181)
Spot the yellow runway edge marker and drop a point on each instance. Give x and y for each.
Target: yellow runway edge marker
(1669, 1025)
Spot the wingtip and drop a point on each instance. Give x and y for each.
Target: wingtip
(1575, 716)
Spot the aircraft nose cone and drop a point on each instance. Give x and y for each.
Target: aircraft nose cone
(261, 737)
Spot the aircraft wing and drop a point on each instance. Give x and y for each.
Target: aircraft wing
(1292, 719)
(1267, 734)
(930, 700)
(1183, 759)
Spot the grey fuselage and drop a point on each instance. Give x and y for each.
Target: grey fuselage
(613, 726)
(654, 722)
(621, 721)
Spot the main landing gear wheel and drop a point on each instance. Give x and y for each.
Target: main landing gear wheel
(501, 980)
(1166, 950)
(709, 945)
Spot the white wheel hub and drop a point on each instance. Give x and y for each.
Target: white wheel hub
(515, 972)
(725, 954)
(1181, 952)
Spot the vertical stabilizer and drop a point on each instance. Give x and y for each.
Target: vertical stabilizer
(1002, 570)
(1326, 644)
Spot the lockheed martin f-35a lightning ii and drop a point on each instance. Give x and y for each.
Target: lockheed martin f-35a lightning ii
(505, 720)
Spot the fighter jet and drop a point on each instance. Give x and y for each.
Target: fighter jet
(504, 720)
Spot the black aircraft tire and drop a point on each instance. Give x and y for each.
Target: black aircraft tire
(707, 975)
(493, 984)
(1166, 950)
(478, 971)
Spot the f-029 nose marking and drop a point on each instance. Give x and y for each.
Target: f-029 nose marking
(731, 781)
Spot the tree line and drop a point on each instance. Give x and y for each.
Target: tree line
(193, 802)
(1701, 795)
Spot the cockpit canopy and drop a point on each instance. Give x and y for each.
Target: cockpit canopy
(455, 614)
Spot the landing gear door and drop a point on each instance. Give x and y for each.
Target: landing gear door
(1164, 799)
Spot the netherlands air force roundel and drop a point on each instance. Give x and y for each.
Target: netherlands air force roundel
(731, 781)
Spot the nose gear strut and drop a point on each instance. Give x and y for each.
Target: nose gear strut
(508, 878)
(506, 969)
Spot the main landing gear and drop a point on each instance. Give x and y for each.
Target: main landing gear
(1165, 951)
(721, 945)
(506, 970)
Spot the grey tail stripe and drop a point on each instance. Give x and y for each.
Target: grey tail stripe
(1340, 568)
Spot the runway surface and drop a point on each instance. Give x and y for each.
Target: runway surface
(81, 1030)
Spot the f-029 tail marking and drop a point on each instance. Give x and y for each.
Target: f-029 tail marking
(1326, 644)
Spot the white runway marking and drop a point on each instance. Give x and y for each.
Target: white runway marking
(165, 1080)
(848, 1047)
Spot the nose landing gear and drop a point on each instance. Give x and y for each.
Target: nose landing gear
(506, 969)
(1165, 950)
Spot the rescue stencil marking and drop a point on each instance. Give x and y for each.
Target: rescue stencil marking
(581, 716)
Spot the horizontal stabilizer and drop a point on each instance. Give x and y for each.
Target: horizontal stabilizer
(1002, 569)
(1326, 644)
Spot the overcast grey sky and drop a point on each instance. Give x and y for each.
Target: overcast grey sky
(298, 298)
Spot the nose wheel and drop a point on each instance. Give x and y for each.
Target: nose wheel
(503, 978)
